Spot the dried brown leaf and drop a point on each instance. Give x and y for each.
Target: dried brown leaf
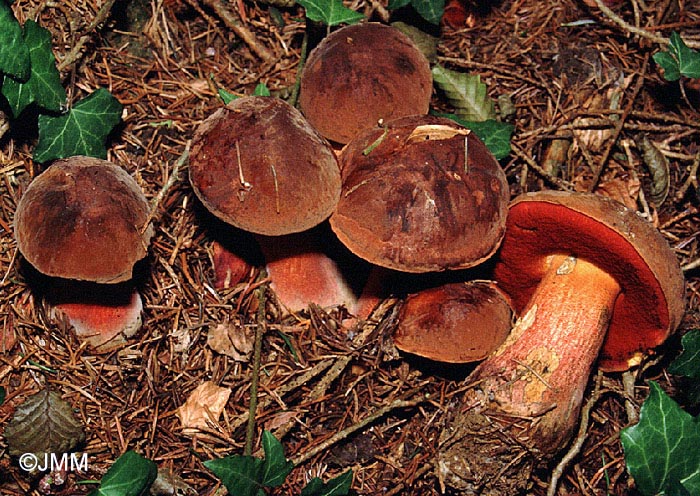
(43, 424)
(233, 340)
(203, 406)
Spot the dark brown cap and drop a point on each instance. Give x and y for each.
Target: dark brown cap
(82, 218)
(360, 74)
(422, 194)
(454, 323)
(258, 165)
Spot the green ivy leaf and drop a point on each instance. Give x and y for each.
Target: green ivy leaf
(397, 4)
(44, 83)
(330, 12)
(679, 60)
(340, 486)
(242, 475)
(82, 130)
(661, 450)
(14, 53)
(466, 93)
(246, 475)
(130, 475)
(261, 90)
(688, 362)
(277, 467)
(430, 10)
(495, 135)
(2, 395)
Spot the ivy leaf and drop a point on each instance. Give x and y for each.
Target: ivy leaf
(242, 475)
(14, 53)
(246, 475)
(2, 395)
(261, 90)
(277, 467)
(661, 450)
(340, 486)
(130, 475)
(44, 83)
(495, 135)
(466, 93)
(330, 12)
(688, 362)
(430, 10)
(82, 130)
(679, 60)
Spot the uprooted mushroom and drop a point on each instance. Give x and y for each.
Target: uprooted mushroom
(82, 224)
(591, 280)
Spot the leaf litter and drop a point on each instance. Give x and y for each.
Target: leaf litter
(162, 73)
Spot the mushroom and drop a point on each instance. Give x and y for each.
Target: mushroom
(420, 194)
(585, 274)
(81, 223)
(455, 322)
(258, 165)
(361, 74)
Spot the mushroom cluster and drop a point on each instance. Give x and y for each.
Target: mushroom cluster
(82, 224)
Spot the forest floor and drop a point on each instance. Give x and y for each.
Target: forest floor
(584, 88)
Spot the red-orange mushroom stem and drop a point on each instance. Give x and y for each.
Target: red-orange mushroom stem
(584, 273)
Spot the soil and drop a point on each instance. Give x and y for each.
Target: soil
(584, 91)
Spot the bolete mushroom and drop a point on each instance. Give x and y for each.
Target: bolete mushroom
(584, 273)
(361, 74)
(455, 322)
(82, 223)
(257, 164)
(420, 194)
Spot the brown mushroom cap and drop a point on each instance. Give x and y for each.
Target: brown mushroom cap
(82, 219)
(412, 202)
(454, 323)
(362, 73)
(257, 164)
(607, 234)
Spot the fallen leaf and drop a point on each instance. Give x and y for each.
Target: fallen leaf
(43, 424)
(204, 406)
(233, 340)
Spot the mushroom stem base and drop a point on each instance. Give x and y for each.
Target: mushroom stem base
(526, 398)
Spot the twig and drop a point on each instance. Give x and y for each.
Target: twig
(172, 179)
(302, 60)
(257, 351)
(560, 183)
(580, 438)
(633, 29)
(231, 20)
(692, 179)
(628, 384)
(339, 436)
(74, 53)
(619, 125)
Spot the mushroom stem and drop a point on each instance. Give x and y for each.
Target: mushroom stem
(528, 393)
(542, 369)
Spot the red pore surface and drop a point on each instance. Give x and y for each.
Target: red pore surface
(83, 218)
(605, 233)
